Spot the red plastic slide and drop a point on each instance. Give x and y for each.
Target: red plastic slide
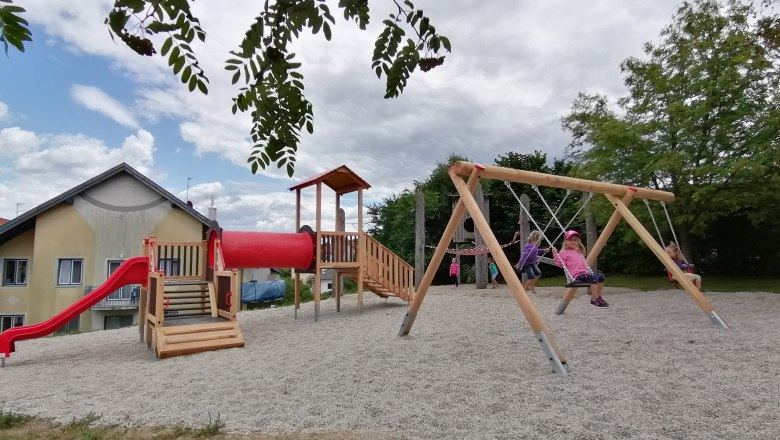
(132, 271)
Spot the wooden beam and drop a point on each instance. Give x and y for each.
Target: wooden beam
(534, 178)
(659, 252)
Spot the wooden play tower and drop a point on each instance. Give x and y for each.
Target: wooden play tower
(188, 305)
(619, 196)
(354, 255)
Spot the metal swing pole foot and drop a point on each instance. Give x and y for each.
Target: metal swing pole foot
(405, 326)
(716, 319)
(562, 307)
(559, 367)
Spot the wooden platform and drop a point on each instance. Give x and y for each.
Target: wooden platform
(180, 340)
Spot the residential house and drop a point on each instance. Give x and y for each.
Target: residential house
(56, 252)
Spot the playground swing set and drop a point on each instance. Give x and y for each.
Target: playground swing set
(571, 281)
(620, 196)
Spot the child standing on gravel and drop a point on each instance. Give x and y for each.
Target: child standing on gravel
(493, 271)
(454, 270)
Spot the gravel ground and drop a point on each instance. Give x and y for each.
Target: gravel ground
(650, 367)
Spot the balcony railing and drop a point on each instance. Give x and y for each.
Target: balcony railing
(126, 297)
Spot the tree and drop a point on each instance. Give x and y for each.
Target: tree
(701, 118)
(271, 85)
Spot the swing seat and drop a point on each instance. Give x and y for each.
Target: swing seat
(688, 269)
(577, 283)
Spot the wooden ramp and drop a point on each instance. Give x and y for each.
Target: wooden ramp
(182, 340)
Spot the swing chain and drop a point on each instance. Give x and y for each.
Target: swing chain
(566, 272)
(669, 219)
(652, 217)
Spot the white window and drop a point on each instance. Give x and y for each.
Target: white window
(15, 272)
(124, 293)
(69, 272)
(8, 321)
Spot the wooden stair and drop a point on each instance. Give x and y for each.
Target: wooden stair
(187, 339)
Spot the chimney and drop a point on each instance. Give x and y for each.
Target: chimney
(212, 210)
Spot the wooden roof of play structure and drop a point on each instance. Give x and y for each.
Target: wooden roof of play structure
(341, 179)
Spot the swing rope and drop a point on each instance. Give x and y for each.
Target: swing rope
(657, 229)
(566, 272)
(669, 219)
(652, 217)
(560, 205)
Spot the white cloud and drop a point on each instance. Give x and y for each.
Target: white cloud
(3, 110)
(97, 100)
(15, 142)
(517, 65)
(60, 162)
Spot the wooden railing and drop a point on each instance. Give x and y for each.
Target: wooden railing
(180, 261)
(339, 249)
(388, 269)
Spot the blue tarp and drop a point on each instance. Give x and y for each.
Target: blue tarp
(262, 291)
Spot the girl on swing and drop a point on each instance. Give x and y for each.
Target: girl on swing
(572, 257)
(527, 263)
(674, 253)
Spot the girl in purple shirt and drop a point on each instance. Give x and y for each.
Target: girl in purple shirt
(528, 263)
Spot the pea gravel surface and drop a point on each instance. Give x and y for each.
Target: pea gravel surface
(652, 366)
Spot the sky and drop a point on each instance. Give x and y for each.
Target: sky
(76, 104)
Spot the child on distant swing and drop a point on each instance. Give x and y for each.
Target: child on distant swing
(674, 253)
(572, 258)
(528, 263)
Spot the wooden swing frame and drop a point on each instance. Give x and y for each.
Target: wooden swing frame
(620, 196)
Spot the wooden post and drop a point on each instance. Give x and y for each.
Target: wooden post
(419, 238)
(142, 297)
(297, 275)
(318, 254)
(480, 260)
(438, 255)
(361, 252)
(670, 265)
(341, 226)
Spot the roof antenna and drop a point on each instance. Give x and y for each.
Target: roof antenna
(188, 187)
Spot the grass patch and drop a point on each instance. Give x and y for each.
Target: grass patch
(9, 420)
(22, 427)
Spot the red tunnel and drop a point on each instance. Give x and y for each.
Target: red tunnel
(264, 249)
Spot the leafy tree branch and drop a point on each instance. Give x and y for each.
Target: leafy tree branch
(271, 85)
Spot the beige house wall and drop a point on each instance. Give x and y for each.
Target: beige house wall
(106, 222)
(60, 232)
(15, 300)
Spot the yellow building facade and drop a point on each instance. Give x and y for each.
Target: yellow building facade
(62, 249)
